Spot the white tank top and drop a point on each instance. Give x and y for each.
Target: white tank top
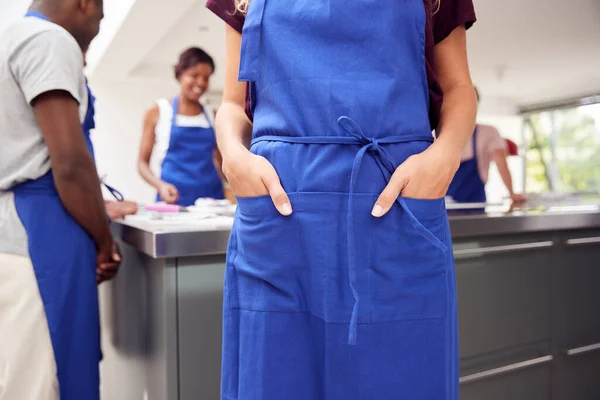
(162, 132)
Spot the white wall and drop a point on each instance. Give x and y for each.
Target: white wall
(115, 12)
(120, 110)
(12, 10)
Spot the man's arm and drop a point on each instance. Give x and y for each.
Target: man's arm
(75, 174)
(48, 66)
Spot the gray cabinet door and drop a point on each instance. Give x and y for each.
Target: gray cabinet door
(527, 384)
(576, 322)
(577, 290)
(200, 301)
(503, 290)
(577, 377)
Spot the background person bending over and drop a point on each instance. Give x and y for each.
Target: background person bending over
(486, 145)
(180, 133)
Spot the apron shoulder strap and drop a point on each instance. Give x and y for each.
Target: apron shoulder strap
(175, 109)
(209, 112)
(474, 140)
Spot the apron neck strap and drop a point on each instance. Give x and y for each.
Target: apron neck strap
(175, 107)
(176, 110)
(36, 14)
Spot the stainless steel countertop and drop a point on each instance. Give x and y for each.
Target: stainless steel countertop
(183, 238)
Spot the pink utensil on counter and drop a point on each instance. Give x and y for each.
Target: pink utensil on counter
(165, 208)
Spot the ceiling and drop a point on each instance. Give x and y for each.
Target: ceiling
(535, 51)
(152, 36)
(521, 51)
(198, 27)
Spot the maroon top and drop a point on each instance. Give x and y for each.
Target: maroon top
(452, 14)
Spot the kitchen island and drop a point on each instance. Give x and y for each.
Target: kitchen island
(528, 299)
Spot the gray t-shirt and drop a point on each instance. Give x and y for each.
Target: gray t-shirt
(36, 56)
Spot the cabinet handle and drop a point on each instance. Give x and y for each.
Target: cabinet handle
(582, 350)
(506, 369)
(504, 249)
(583, 241)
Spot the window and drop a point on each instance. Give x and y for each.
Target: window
(563, 150)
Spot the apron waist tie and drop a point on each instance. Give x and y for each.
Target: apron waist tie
(41, 185)
(45, 184)
(387, 167)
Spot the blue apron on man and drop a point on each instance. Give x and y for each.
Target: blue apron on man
(64, 261)
(188, 164)
(330, 302)
(89, 123)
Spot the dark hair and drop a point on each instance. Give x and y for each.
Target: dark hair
(476, 93)
(192, 57)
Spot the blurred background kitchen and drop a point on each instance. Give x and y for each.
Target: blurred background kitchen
(536, 64)
(527, 280)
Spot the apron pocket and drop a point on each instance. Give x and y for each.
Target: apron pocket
(431, 216)
(324, 235)
(265, 271)
(409, 262)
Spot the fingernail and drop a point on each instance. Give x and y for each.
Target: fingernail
(286, 209)
(377, 211)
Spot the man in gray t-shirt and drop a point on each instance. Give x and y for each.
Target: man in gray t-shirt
(55, 243)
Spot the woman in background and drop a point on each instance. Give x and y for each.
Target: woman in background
(340, 279)
(180, 133)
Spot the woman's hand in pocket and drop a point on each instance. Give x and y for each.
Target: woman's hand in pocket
(250, 175)
(422, 176)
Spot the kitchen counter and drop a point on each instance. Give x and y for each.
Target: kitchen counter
(178, 238)
(527, 288)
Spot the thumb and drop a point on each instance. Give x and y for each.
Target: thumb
(278, 195)
(388, 196)
(116, 253)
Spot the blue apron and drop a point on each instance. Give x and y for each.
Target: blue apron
(89, 122)
(188, 163)
(467, 186)
(330, 302)
(64, 262)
